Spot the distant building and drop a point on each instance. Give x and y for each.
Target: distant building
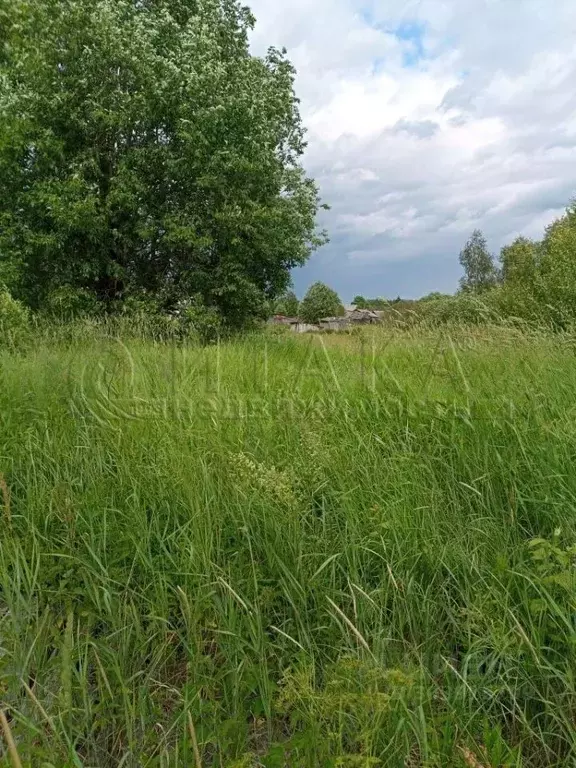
(352, 317)
(305, 327)
(362, 317)
(294, 323)
(334, 323)
(283, 320)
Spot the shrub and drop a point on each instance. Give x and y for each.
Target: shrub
(517, 302)
(68, 303)
(277, 330)
(462, 309)
(197, 319)
(14, 321)
(140, 304)
(143, 316)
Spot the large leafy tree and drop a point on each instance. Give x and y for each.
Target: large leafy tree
(142, 148)
(320, 301)
(480, 271)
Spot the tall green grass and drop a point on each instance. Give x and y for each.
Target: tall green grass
(320, 551)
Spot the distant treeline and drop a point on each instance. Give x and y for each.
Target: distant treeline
(530, 281)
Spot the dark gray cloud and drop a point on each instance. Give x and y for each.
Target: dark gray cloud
(427, 119)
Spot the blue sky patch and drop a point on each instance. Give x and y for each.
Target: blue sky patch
(412, 33)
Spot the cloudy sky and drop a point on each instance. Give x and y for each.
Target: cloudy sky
(427, 119)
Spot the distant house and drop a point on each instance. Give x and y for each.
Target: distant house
(362, 317)
(294, 323)
(301, 327)
(283, 320)
(334, 323)
(352, 317)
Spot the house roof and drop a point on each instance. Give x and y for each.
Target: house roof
(358, 314)
(284, 319)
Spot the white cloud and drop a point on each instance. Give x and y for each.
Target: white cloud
(428, 118)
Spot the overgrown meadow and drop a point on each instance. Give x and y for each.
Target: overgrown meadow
(352, 550)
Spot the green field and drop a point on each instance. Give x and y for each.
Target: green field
(319, 551)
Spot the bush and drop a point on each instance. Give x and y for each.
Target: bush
(509, 303)
(517, 302)
(68, 303)
(462, 309)
(143, 316)
(140, 304)
(14, 321)
(203, 322)
(271, 329)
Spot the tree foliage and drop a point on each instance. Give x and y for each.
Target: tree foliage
(378, 303)
(14, 320)
(557, 268)
(142, 148)
(480, 272)
(320, 301)
(519, 261)
(435, 296)
(288, 305)
(536, 282)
